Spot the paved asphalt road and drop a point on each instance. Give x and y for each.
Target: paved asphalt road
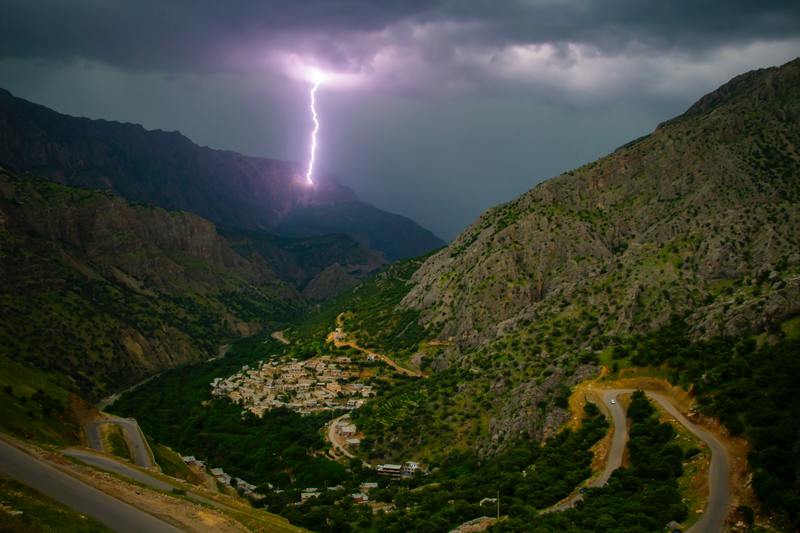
(719, 500)
(618, 441)
(713, 519)
(60, 486)
(139, 448)
(110, 464)
(615, 452)
(116, 467)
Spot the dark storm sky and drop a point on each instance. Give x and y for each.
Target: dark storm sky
(433, 109)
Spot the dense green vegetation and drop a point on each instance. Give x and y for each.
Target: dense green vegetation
(371, 314)
(752, 390)
(177, 409)
(527, 476)
(33, 405)
(408, 419)
(641, 498)
(116, 441)
(171, 463)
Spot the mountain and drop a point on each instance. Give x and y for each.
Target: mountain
(107, 292)
(699, 219)
(700, 216)
(103, 292)
(319, 267)
(168, 170)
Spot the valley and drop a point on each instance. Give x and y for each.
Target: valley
(614, 350)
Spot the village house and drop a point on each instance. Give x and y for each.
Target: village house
(221, 476)
(307, 494)
(360, 497)
(346, 430)
(390, 470)
(367, 486)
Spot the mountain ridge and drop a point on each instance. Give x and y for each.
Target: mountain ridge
(106, 292)
(699, 221)
(562, 231)
(166, 169)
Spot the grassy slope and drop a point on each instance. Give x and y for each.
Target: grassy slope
(38, 513)
(26, 413)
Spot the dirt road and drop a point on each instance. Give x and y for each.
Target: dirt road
(280, 337)
(336, 441)
(339, 339)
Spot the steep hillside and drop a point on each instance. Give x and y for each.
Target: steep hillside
(321, 267)
(701, 215)
(699, 219)
(167, 169)
(105, 292)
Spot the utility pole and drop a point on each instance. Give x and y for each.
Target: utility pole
(498, 505)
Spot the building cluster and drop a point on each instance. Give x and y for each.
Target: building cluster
(318, 384)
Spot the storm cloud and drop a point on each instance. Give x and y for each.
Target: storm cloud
(468, 101)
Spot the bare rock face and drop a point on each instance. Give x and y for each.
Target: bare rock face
(730, 318)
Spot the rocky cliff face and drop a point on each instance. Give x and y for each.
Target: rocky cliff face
(701, 215)
(167, 169)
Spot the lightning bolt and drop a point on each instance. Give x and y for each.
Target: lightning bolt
(315, 118)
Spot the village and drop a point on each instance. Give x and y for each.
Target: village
(323, 383)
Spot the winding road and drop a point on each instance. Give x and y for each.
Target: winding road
(336, 442)
(615, 452)
(44, 477)
(719, 498)
(140, 450)
(713, 519)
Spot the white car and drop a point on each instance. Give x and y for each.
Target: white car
(613, 401)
